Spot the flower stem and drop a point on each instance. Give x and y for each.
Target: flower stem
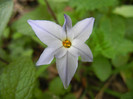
(51, 11)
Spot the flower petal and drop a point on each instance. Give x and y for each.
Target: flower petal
(66, 67)
(68, 23)
(73, 51)
(67, 27)
(47, 56)
(84, 50)
(70, 35)
(60, 52)
(83, 29)
(48, 32)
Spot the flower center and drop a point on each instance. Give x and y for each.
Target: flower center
(66, 44)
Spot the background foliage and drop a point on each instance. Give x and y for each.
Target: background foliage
(110, 76)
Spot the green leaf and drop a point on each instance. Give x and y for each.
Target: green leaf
(6, 7)
(102, 45)
(113, 29)
(124, 10)
(91, 4)
(102, 67)
(108, 38)
(120, 60)
(17, 80)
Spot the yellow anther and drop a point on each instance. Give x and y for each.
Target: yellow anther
(66, 43)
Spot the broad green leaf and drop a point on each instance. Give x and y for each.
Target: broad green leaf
(124, 10)
(109, 36)
(91, 4)
(17, 80)
(113, 29)
(6, 7)
(102, 45)
(120, 60)
(102, 67)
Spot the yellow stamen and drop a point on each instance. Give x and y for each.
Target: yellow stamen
(66, 44)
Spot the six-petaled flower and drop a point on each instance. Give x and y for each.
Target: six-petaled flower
(65, 44)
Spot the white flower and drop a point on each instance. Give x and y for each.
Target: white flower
(65, 44)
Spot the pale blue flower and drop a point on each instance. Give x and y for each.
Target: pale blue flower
(65, 44)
